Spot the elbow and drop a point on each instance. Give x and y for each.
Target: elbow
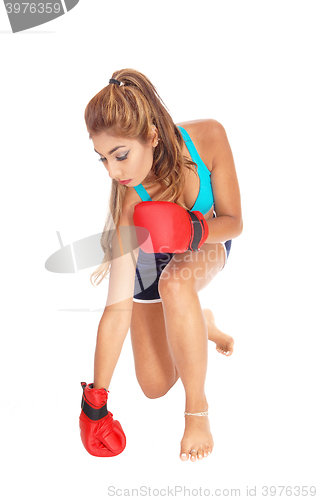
(238, 227)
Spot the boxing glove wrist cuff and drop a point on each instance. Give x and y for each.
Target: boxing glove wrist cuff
(200, 231)
(91, 412)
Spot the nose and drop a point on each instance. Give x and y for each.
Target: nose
(114, 173)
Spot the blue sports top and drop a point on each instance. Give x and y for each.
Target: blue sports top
(204, 201)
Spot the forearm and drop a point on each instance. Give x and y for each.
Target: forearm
(223, 228)
(115, 321)
(112, 331)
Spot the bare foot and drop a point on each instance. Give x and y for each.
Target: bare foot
(224, 343)
(197, 439)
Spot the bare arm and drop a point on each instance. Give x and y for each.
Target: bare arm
(229, 223)
(116, 318)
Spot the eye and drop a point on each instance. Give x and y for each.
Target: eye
(119, 158)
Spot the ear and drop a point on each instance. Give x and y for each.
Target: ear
(154, 136)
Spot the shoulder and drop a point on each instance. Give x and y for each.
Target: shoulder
(203, 129)
(126, 219)
(207, 135)
(131, 199)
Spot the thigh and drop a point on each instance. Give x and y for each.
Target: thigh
(155, 369)
(192, 269)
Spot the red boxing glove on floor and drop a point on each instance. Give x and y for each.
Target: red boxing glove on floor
(172, 228)
(101, 435)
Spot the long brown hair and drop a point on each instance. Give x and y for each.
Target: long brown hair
(129, 111)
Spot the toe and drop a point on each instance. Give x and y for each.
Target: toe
(193, 456)
(184, 455)
(200, 454)
(209, 450)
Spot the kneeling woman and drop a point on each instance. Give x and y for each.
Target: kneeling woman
(190, 168)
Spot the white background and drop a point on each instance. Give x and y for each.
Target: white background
(250, 65)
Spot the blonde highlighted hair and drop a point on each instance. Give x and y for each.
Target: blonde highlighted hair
(129, 111)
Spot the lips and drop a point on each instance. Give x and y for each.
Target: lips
(125, 182)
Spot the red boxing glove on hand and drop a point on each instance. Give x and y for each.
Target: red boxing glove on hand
(172, 229)
(101, 435)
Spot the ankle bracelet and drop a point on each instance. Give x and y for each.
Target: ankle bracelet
(200, 414)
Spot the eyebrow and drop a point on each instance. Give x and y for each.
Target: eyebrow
(111, 151)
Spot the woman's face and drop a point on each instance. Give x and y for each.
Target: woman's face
(125, 158)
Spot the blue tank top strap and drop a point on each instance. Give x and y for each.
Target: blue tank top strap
(142, 193)
(205, 199)
(203, 171)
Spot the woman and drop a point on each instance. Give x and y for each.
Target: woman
(156, 295)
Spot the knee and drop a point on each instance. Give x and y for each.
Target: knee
(169, 286)
(156, 391)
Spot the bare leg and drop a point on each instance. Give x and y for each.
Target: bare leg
(188, 338)
(224, 343)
